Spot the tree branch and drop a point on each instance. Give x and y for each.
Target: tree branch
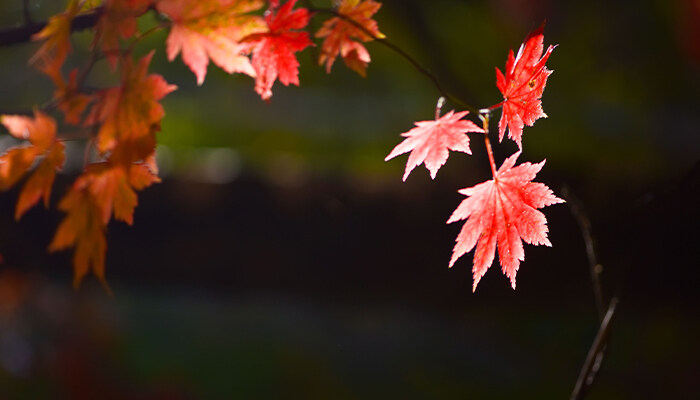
(595, 354)
(23, 33)
(418, 66)
(594, 266)
(598, 349)
(26, 13)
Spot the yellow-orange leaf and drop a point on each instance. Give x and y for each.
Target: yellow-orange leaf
(41, 133)
(112, 192)
(82, 228)
(39, 184)
(130, 111)
(56, 36)
(141, 177)
(211, 29)
(105, 189)
(14, 164)
(40, 130)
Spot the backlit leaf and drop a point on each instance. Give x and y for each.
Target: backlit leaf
(273, 51)
(130, 111)
(430, 141)
(211, 29)
(502, 213)
(522, 86)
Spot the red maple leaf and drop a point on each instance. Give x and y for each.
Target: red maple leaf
(273, 51)
(342, 35)
(211, 29)
(503, 212)
(522, 86)
(430, 141)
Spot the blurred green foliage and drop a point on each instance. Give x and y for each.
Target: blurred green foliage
(622, 102)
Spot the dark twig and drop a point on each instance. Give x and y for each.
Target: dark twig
(595, 268)
(26, 13)
(595, 354)
(417, 65)
(24, 33)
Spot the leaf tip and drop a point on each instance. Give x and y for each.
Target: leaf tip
(476, 282)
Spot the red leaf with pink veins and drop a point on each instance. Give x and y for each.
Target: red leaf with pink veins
(273, 52)
(430, 141)
(522, 86)
(502, 213)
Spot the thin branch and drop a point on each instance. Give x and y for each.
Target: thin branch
(16, 111)
(595, 268)
(82, 76)
(595, 354)
(23, 33)
(26, 13)
(147, 33)
(417, 65)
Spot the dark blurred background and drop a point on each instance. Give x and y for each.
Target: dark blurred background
(281, 257)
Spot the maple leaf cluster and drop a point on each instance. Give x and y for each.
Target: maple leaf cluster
(230, 34)
(251, 37)
(503, 212)
(259, 39)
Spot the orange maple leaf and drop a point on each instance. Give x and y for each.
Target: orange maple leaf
(84, 229)
(70, 100)
(14, 164)
(40, 131)
(113, 186)
(40, 182)
(103, 191)
(503, 211)
(211, 29)
(130, 111)
(118, 19)
(53, 52)
(56, 36)
(343, 36)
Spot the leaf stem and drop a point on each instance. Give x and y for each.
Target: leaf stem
(494, 107)
(485, 120)
(143, 35)
(438, 107)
